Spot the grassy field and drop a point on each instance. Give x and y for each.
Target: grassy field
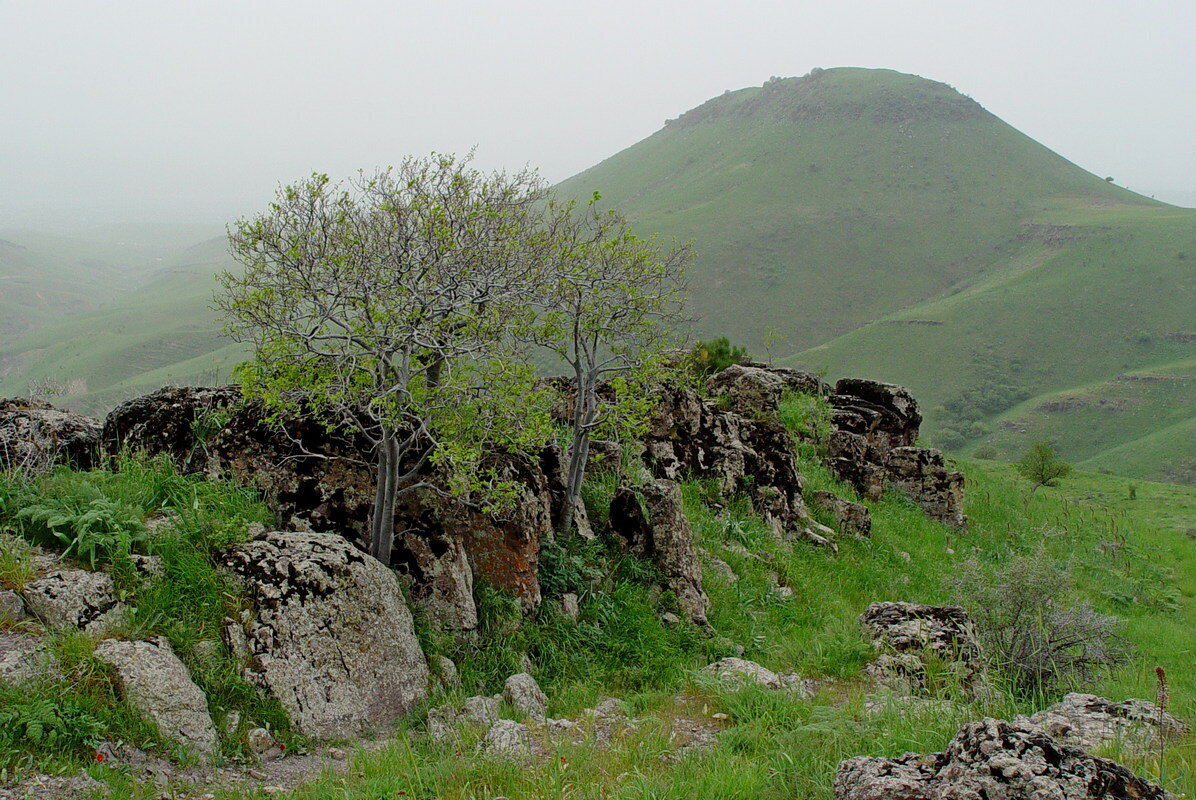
(1132, 556)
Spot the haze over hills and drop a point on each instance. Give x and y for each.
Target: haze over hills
(875, 223)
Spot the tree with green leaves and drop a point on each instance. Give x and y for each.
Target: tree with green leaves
(1041, 466)
(609, 309)
(388, 306)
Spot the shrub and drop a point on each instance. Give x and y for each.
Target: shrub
(1041, 466)
(716, 355)
(986, 452)
(1030, 630)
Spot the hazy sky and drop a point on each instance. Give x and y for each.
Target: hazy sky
(170, 109)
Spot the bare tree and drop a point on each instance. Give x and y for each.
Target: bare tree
(608, 309)
(386, 306)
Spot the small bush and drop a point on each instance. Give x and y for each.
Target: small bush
(986, 452)
(1030, 630)
(714, 356)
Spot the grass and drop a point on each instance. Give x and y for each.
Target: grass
(1128, 557)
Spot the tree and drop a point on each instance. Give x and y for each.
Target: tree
(608, 310)
(1042, 466)
(386, 307)
(773, 336)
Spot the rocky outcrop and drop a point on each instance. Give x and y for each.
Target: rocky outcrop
(151, 679)
(853, 519)
(688, 436)
(74, 598)
(921, 473)
(1088, 721)
(872, 448)
(906, 635)
(741, 672)
(657, 529)
(993, 759)
(798, 381)
(330, 635)
(36, 436)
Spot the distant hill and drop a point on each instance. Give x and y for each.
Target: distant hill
(871, 223)
(885, 225)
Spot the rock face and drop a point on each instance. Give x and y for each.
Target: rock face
(690, 437)
(330, 636)
(922, 474)
(854, 519)
(36, 436)
(74, 598)
(872, 446)
(993, 759)
(657, 529)
(1088, 721)
(906, 634)
(152, 680)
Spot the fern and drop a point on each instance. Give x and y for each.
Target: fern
(96, 532)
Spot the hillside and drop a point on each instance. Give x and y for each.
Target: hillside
(872, 223)
(883, 224)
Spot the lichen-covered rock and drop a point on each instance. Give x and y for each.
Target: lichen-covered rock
(523, 694)
(855, 462)
(330, 635)
(12, 607)
(922, 474)
(74, 598)
(854, 519)
(993, 759)
(22, 658)
(167, 421)
(152, 679)
(1088, 721)
(481, 709)
(747, 390)
(656, 528)
(36, 436)
(507, 739)
(442, 580)
(795, 380)
(907, 634)
(740, 671)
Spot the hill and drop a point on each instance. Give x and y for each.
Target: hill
(883, 224)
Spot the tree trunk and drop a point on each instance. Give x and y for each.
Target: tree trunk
(579, 449)
(383, 527)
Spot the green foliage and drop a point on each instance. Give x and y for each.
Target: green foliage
(1041, 466)
(97, 530)
(713, 356)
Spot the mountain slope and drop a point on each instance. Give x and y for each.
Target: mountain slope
(885, 225)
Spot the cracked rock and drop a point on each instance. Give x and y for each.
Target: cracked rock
(74, 598)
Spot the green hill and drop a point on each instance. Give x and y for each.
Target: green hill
(872, 223)
(886, 225)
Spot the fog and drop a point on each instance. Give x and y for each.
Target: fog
(195, 111)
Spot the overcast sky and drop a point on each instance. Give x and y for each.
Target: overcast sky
(173, 109)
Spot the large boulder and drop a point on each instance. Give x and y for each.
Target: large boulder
(907, 635)
(74, 598)
(885, 414)
(993, 759)
(152, 679)
(1088, 721)
(329, 636)
(36, 436)
(656, 528)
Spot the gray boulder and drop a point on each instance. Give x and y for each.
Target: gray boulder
(993, 759)
(152, 679)
(657, 529)
(921, 473)
(12, 607)
(853, 519)
(330, 635)
(22, 658)
(523, 694)
(74, 598)
(507, 739)
(1088, 721)
(905, 635)
(747, 390)
(36, 436)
